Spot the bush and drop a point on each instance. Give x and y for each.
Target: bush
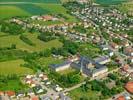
(47, 36)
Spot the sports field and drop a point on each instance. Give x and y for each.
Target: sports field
(13, 67)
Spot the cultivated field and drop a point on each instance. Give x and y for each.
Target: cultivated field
(7, 11)
(13, 67)
(7, 41)
(12, 8)
(126, 8)
(33, 1)
(109, 2)
(46, 61)
(57, 9)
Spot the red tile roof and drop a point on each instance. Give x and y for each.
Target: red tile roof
(121, 98)
(129, 87)
(125, 67)
(10, 93)
(35, 98)
(47, 17)
(1, 92)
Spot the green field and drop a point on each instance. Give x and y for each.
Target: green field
(78, 94)
(57, 9)
(67, 71)
(32, 9)
(7, 41)
(46, 61)
(126, 8)
(14, 85)
(109, 2)
(8, 11)
(13, 67)
(33, 1)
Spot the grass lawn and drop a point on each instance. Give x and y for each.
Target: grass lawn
(67, 71)
(7, 41)
(90, 50)
(77, 94)
(14, 85)
(13, 67)
(8, 11)
(3, 34)
(46, 61)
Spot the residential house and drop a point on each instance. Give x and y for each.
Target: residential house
(45, 98)
(130, 59)
(1, 93)
(125, 67)
(129, 87)
(47, 17)
(125, 43)
(30, 92)
(114, 45)
(34, 98)
(111, 53)
(104, 47)
(64, 97)
(43, 76)
(11, 94)
(38, 89)
(128, 51)
(20, 94)
(122, 98)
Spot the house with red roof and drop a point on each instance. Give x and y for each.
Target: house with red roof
(34, 98)
(121, 98)
(10, 93)
(1, 93)
(129, 87)
(128, 51)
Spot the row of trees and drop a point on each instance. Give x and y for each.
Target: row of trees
(47, 36)
(101, 87)
(69, 47)
(12, 54)
(26, 40)
(66, 80)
